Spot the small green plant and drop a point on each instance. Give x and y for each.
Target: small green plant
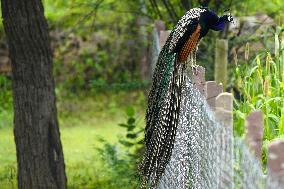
(121, 160)
(133, 139)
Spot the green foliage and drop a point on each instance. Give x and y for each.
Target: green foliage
(260, 84)
(5, 101)
(8, 178)
(122, 160)
(273, 7)
(171, 11)
(107, 45)
(133, 139)
(100, 86)
(5, 95)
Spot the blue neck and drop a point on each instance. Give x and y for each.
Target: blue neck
(220, 25)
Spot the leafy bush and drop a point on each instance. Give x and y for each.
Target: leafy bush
(95, 43)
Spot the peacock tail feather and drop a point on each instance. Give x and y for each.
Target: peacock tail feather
(162, 115)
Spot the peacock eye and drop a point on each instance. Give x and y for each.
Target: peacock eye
(230, 18)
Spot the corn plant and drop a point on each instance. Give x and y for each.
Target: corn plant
(260, 83)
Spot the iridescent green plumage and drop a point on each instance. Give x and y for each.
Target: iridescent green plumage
(162, 115)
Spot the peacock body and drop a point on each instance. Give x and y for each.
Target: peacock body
(164, 102)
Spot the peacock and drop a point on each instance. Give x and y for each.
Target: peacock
(164, 101)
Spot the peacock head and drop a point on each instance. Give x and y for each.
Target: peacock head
(210, 20)
(228, 17)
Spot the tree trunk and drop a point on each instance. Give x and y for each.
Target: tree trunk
(39, 151)
(143, 37)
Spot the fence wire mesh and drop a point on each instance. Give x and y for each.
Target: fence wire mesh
(206, 155)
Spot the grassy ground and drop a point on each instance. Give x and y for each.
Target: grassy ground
(83, 121)
(79, 145)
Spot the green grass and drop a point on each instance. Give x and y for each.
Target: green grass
(79, 145)
(83, 121)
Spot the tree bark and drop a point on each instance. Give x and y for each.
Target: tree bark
(143, 37)
(39, 150)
